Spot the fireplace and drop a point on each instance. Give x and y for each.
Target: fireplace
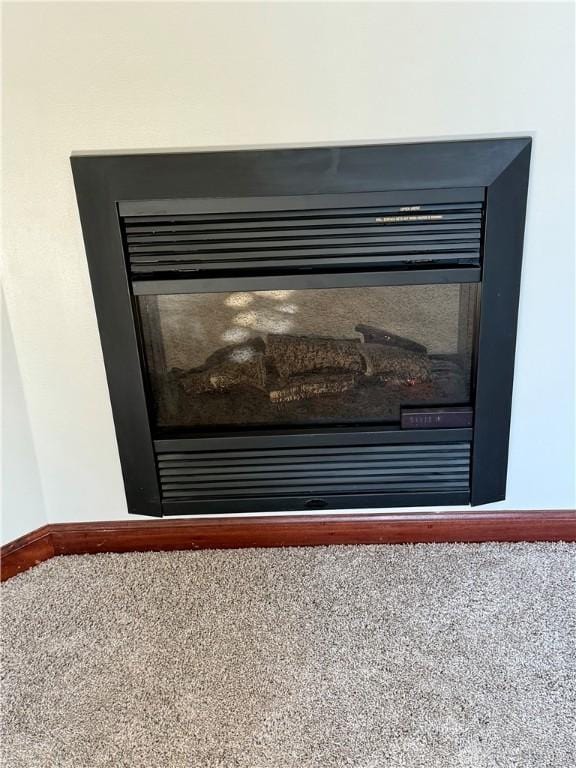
(308, 328)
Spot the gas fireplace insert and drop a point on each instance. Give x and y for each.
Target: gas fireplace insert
(311, 328)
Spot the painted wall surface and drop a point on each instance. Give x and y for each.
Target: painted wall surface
(155, 75)
(22, 500)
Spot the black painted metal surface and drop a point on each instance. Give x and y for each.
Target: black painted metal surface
(178, 222)
(334, 231)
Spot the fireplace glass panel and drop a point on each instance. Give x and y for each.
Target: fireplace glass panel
(305, 357)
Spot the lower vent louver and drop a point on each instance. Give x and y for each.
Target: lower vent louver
(316, 238)
(321, 471)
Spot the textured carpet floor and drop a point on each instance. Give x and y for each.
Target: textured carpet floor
(428, 656)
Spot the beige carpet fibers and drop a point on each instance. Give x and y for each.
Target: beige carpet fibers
(429, 656)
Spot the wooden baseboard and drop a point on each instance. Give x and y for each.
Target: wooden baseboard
(27, 551)
(285, 531)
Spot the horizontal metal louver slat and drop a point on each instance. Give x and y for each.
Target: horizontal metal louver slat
(254, 230)
(195, 246)
(297, 213)
(320, 238)
(357, 469)
(246, 265)
(189, 468)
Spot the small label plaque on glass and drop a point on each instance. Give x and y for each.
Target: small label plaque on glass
(436, 418)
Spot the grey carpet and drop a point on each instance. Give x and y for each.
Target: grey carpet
(428, 656)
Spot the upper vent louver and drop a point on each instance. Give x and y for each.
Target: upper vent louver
(321, 238)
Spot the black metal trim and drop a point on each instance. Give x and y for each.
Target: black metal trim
(503, 244)
(312, 201)
(306, 281)
(298, 503)
(301, 171)
(119, 337)
(313, 438)
(392, 172)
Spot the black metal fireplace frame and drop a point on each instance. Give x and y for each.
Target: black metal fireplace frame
(494, 170)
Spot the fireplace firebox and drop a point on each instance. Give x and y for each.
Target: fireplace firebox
(292, 329)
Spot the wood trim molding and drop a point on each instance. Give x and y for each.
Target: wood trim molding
(285, 531)
(27, 551)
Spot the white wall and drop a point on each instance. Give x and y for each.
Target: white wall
(148, 75)
(22, 500)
